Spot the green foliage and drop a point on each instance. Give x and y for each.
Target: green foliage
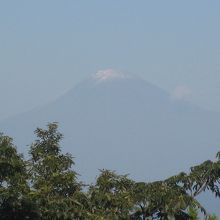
(212, 217)
(162, 200)
(54, 183)
(12, 166)
(14, 201)
(111, 196)
(193, 213)
(46, 187)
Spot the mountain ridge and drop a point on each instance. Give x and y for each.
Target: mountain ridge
(123, 107)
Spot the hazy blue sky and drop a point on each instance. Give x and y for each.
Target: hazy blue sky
(47, 47)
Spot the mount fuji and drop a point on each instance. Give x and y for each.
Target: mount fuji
(120, 122)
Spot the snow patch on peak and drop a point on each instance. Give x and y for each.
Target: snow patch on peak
(109, 74)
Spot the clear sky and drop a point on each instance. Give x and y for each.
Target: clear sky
(47, 47)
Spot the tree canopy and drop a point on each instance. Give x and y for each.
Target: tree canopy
(46, 187)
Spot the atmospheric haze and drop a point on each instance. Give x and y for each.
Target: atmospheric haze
(120, 122)
(115, 120)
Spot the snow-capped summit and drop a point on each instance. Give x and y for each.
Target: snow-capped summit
(109, 74)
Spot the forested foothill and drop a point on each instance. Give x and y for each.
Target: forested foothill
(45, 187)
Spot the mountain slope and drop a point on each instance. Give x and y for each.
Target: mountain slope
(125, 124)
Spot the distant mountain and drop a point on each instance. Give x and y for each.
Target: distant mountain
(124, 123)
